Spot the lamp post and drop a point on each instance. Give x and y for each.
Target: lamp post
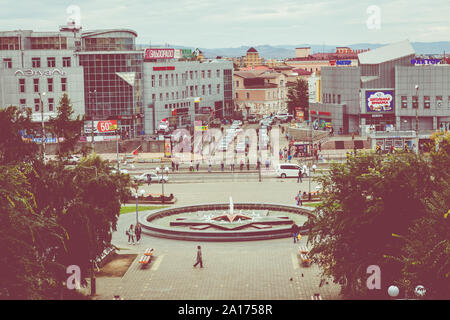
(140, 192)
(308, 168)
(43, 126)
(162, 171)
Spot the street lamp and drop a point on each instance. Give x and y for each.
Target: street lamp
(42, 121)
(417, 116)
(92, 93)
(308, 170)
(166, 171)
(140, 192)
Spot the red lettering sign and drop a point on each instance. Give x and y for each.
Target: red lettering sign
(159, 53)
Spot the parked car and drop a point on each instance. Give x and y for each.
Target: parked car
(252, 118)
(282, 117)
(287, 170)
(122, 171)
(155, 178)
(71, 159)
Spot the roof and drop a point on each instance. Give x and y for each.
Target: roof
(252, 50)
(104, 31)
(302, 72)
(387, 53)
(254, 68)
(249, 74)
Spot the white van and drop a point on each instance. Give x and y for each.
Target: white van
(287, 170)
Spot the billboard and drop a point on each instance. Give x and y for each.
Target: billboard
(380, 101)
(100, 126)
(159, 53)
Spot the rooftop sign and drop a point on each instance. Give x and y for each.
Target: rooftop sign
(159, 53)
(425, 61)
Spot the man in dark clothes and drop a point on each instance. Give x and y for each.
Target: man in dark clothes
(295, 230)
(299, 179)
(138, 232)
(199, 257)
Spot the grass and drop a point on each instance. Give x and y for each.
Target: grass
(313, 204)
(128, 209)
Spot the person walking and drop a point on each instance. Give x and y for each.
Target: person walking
(209, 166)
(149, 179)
(281, 154)
(299, 179)
(295, 229)
(199, 257)
(241, 165)
(138, 232)
(197, 165)
(173, 166)
(248, 164)
(130, 233)
(267, 163)
(177, 165)
(299, 198)
(222, 166)
(320, 146)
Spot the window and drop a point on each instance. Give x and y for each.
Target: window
(50, 84)
(51, 103)
(63, 84)
(237, 84)
(438, 101)
(426, 102)
(192, 91)
(153, 97)
(177, 95)
(196, 90)
(218, 73)
(7, 63)
(247, 95)
(203, 74)
(191, 74)
(218, 89)
(167, 96)
(165, 106)
(160, 97)
(176, 81)
(23, 103)
(36, 62)
(209, 73)
(36, 85)
(448, 101)
(339, 99)
(209, 89)
(334, 98)
(160, 80)
(173, 95)
(153, 80)
(415, 103)
(404, 102)
(51, 62)
(37, 102)
(167, 80)
(171, 79)
(196, 74)
(66, 62)
(22, 85)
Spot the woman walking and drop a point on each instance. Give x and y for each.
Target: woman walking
(131, 233)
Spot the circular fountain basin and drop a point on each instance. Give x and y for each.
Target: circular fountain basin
(197, 223)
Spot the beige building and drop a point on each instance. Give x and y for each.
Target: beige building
(252, 58)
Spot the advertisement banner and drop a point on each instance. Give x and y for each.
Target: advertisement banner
(167, 148)
(100, 126)
(380, 101)
(159, 53)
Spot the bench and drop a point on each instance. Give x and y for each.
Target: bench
(303, 250)
(144, 261)
(149, 252)
(316, 296)
(305, 260)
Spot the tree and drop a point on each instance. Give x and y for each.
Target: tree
(366, 201)
(298, 98)
(63, 126)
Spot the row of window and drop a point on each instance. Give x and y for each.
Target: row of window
(426, 102)
(189, 92)
(172, 106)
(247, 95)
(36, 62)
(36, 89)
(331, 98)
(37, 104)
(173, 79)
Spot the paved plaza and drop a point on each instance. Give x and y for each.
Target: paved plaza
(232, 270)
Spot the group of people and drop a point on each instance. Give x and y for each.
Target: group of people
(134, 234)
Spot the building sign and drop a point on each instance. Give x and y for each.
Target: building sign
(39, 73)
(332, 62)
(163, 68)
(100, 126)
(167, 148)
(380, 101)
(425, 61)
(201, 128)
(159, 53)
(343, 62)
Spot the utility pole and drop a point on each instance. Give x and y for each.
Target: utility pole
(92, 118)
(417, 117)
(43, 125)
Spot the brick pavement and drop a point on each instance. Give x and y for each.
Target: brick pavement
(232, 270)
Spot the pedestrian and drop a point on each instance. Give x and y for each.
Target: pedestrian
(191, 167)
(149, 179)
(267, 163)
(295, 230)
(241, 165)
(353, 136)
(258, 164)
(289, 158)
(177, 165)
(130, 233)
(392, 149)
(281, 154)
(209, 166)
(299, 198)
(197, 165)
(320, 146)
(222, 166)
(138, 232)
(299, 179)
(199, 257)
(248, 164)
(173, 166)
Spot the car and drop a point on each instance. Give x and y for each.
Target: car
(71, 159)
(282, 117)
(252, 118)
(122, 171)
(287, 170)
(155, 178)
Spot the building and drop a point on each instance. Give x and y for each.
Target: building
(113, 78)
(260, 92)
(38, 68)
(181, 90)
(386, 93)
(252, 58)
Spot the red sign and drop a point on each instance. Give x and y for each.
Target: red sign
(163, 68)
(159, 53)
(332, 62)
(107, 125)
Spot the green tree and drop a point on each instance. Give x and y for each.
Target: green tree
(297, 97)
(65, 127)
(366, 201)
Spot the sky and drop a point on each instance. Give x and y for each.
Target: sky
(234, 23)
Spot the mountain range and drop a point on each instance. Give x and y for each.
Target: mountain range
(288, 51)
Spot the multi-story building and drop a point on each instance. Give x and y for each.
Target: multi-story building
(180, 90)
(113, 78)
(252, 58)
(37, 69)
(386, 92)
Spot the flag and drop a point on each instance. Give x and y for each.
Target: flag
(135, 151)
